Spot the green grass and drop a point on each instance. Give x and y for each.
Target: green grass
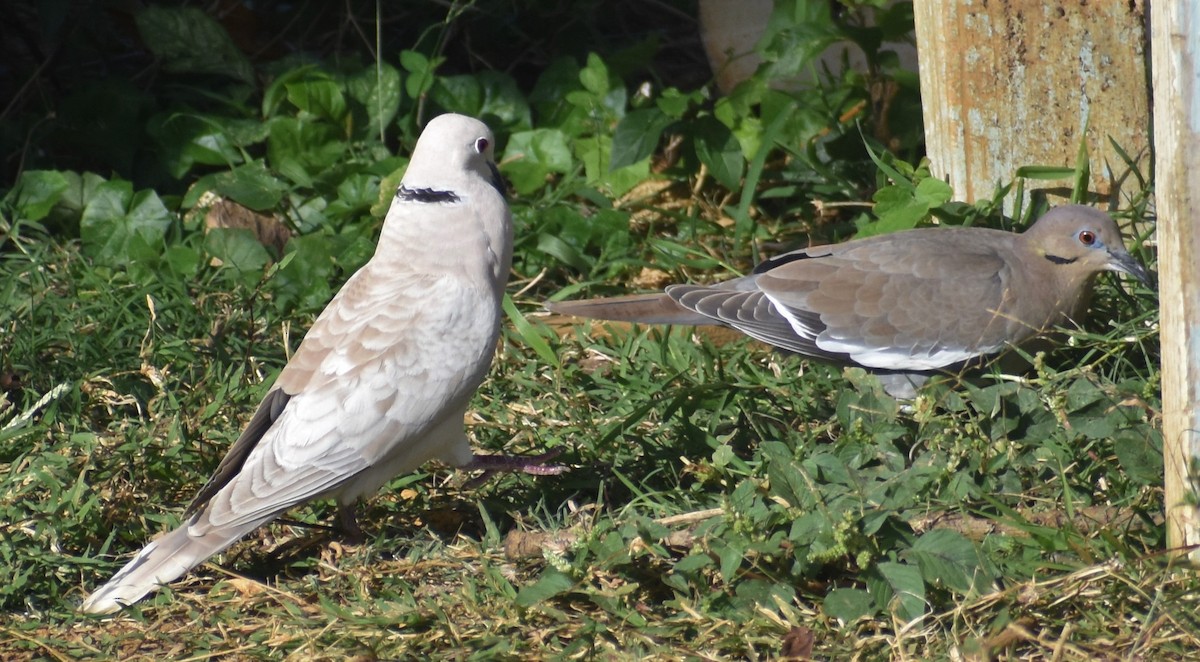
(721, 496)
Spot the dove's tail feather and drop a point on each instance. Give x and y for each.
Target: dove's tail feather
(639, 308)
(162, 560)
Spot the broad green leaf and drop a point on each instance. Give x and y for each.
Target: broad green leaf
(693, 562)
(313, 146)
(899, 588)
(674, 103)
(276, 93)
(458, 94)
(594, 76)
(355, 195)
(531, 156)
(491, 95)
(304, 280)
(552, 583)
(81, 189)
(946, 558)
(420, 70)
(731, 555)
(319, 97)
(849, 604)
(902, 207)
(636, 136)
(718, 149)
(741, 213)
(797, 31)
(117, 221)
(787, 483)
(36, 193)
(594, 152)
(184, 261)
(186, 139)
(379, 90)
(187, 40)
(1140, 455)
(239, 250)
(933, 192)
(251, 185)
(503, 100)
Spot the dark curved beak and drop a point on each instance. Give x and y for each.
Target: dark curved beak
(1119, 260)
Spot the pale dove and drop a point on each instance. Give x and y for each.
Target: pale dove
(381, 381)
(902, 305)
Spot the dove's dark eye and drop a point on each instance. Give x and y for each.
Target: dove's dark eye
(481, 145)
(1087, 237)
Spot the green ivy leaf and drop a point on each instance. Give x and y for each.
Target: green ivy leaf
(184, 261)
(251, 185)
(239, 251)
(118, 225)
(36, 193)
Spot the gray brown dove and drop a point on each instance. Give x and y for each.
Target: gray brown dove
(381, 381)
(902, 305)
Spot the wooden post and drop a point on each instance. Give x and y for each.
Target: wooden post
(1175, 47)
(1014, 83)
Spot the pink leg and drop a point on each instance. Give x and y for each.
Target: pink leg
(530, 464)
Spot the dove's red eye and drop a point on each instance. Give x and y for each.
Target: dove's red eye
(1087, 237)
(481, 145)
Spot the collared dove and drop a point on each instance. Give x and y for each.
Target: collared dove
(381, 381)
(902, 305)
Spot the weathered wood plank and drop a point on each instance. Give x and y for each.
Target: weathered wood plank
(1015, 82)
(1175, 43)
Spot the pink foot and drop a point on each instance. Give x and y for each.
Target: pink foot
(530, 464)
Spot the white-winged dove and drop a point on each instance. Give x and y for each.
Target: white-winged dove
(902, 305)
(381, 381)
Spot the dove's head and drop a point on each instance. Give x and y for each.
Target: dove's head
(451, 152)
(1083, 241)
